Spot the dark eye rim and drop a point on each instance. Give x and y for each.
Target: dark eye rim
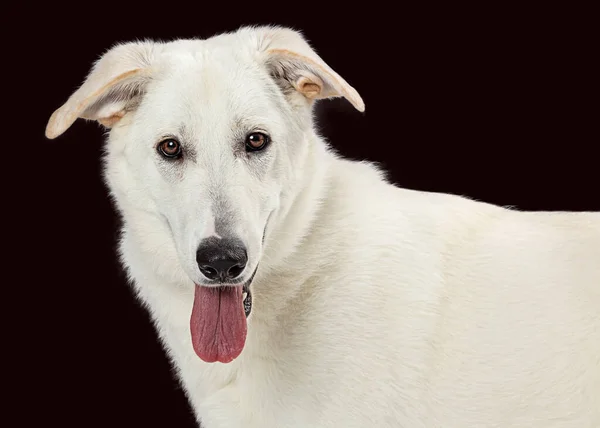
(166, 155)
(251, 148)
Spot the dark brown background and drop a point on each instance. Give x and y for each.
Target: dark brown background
(496, 104)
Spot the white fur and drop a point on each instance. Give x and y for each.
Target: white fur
(374, 306)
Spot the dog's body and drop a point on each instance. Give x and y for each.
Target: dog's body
(374, 306)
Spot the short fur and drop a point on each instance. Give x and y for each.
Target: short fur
(374, 306)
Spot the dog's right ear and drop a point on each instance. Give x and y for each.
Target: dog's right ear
(112, 88)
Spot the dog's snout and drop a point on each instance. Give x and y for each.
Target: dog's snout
(221, 259)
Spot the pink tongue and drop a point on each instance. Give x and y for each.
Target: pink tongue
(218, 323)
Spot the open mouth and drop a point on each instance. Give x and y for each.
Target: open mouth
(247, 294)
(247, 298)
(218, 322)
(219, 319)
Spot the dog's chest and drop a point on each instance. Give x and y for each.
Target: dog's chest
(249, 392)
(290, 386)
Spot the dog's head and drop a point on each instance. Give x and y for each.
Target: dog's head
(205, 136)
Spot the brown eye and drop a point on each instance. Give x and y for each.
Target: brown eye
(169, 148)
(256, 141)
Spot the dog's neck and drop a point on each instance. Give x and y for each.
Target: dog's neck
(292, 228)
(299, 208)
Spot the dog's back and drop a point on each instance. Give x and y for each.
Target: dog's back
(435, 310)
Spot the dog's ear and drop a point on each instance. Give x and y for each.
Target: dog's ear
(293, 62)
(111, 89)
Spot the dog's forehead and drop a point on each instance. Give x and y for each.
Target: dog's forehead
(208, 81)
(208, 69)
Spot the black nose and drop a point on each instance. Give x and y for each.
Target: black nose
(221, 259)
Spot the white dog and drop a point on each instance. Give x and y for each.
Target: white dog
(294, 288)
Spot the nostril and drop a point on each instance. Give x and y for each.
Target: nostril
(235, 271)
(209, 272)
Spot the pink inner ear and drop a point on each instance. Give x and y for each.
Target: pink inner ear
(107, 114)
(309, 87)
(111, 120)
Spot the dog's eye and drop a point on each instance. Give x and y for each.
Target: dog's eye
(169, 148)
(256, 141)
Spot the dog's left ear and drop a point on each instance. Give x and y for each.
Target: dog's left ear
(291, 59)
